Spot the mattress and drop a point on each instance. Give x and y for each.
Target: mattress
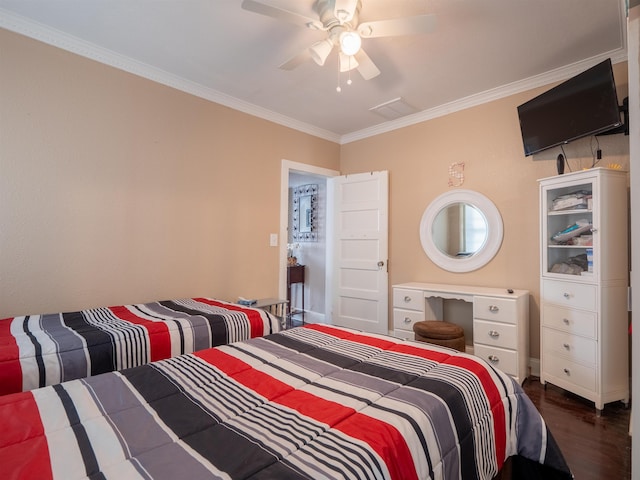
(40, 350)
(311, 402)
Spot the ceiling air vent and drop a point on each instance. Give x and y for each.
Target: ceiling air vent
(393, 109)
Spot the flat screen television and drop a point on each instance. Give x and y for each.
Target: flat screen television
(584, 105)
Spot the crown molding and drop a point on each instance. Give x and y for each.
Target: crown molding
(497, 93)
(56, 38)
(29, 28)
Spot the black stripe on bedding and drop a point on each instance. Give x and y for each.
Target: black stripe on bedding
(280, 471)
(84, 445)
(288, 341)
(217, 323)
(42, 372)
(457, 406)
(163, 396)
(99, 344)
(337, 359)
(229, 451)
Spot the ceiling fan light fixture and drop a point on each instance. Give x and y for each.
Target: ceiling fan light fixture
(350, 43)
(320, 51)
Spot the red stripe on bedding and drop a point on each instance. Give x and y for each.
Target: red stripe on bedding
(255, 316)
(421, 352)
(24, 452)
(345, 419)
(10, 370)
(378, 342)
(494, 398)
(395, 453)
(158, 332)
(376, 433)
(223, 361)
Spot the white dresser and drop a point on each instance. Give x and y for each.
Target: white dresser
(500, 319)
(584, 317)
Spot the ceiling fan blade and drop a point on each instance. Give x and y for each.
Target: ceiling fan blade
(344, 10)
(398, 26)
(280, 14)
(348, 62)
(366, 67)
(297, 60)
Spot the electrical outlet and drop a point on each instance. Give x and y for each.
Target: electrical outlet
(273, 240)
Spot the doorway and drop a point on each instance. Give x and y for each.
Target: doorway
(312, 254)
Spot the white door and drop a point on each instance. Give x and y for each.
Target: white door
(358, 251)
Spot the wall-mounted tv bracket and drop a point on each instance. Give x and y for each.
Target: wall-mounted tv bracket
(624, 128)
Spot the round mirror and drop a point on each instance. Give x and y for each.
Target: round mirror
(461, 230)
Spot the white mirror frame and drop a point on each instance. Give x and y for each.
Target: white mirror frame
(494, 231)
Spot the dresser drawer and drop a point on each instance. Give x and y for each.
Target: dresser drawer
(578, 322)
(573, 295)
(572, 372)
(495, 334)
(502, 359)
(495, 309)
(572, 347)
(404, 319)
(408, 299)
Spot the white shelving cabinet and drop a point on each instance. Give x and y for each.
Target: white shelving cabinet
(584, 315)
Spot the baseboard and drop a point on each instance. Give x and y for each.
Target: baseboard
(313, 317)
(534, 367)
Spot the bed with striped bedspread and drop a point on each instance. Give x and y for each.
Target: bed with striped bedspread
(40, 350)
(314, 402)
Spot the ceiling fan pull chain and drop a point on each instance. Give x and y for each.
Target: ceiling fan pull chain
(338, 88)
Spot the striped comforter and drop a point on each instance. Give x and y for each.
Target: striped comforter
(40, 350)
(311, 402)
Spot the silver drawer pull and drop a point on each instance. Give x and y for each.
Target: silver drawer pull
(567, 371)
(494, 308)
(566, 295)
(566, 345)
(407, 299)
(494, 333)
(565, 321)
(493, 358)
(407, 320)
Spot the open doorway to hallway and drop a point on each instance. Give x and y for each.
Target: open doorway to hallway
(311, 254)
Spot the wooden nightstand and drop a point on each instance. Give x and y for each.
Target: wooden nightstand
(295, 275)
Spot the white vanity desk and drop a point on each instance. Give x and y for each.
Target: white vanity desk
(500, 319)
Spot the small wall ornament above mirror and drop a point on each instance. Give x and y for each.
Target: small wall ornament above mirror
(305, 213)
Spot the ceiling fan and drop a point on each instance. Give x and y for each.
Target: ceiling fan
(340, 19)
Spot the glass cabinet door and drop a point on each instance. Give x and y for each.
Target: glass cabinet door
(570, 240)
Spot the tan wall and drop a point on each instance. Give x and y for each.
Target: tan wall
(487, 139)
(115, 189)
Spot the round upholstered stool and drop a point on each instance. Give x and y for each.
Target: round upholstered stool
(440, 333)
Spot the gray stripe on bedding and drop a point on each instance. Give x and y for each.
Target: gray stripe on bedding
(70, 347)
(199, 325)
(153, 450)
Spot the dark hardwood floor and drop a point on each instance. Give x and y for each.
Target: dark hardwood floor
(596, 448)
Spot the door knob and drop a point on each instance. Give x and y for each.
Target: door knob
(381, 263)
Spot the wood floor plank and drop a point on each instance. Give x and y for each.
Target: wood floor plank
(596, 448)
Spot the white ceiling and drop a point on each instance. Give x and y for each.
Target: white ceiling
(479, 51)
